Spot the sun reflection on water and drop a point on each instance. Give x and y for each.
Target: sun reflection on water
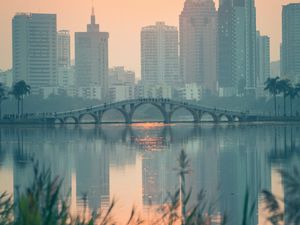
(150, 141)
(150, 125)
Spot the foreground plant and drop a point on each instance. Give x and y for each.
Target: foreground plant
(41, 204)
(290, 214)
(6, 209)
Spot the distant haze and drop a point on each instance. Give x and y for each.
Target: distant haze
(123, 19)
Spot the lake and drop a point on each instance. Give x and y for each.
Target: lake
(137, 165)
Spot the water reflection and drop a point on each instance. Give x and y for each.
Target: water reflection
(136, 164)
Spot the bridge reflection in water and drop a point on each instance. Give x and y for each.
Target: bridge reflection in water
(136, 164)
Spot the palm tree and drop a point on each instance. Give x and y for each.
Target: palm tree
(293, 93)
(284, 87)
(272, 87)
(297, 87)
(25, 90)
(20, 90)
(3, 96)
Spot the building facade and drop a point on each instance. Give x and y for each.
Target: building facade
(236, 47)
(263, 62)
(121, 84)
(63, 48)
(291, 42)
(159, 54)
(64, 70)
(198, 41)
(121, 92)
(119, 76)
(91, 57)
(153, 91)
(35, 49)
(66, 76)
(190, 92)
(6, 78)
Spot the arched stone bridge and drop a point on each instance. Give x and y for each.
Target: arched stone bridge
(127, 108)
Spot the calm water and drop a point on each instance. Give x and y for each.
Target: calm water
(136, 165)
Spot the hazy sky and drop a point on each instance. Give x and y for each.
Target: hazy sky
(123, 19)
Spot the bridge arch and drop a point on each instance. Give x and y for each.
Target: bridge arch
(236, 119)
(205, 114)
(72, 118)
(225, 118)
(91, 115)
(192, 112)
(121, 111)
(163, 111)
(59, 121)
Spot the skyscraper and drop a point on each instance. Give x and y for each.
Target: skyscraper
(63, 48)
(262, 62)
(34, 49)
(159, 54)
(236, 47)
(91, 56)
(291, 42)
(198, 39)
(65, 72)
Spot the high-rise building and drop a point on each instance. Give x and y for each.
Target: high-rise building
(236, 47)
(121, 84)
(65, 72)
(262, 62)
(91, 57)
(198, 40)
(63, 48)
(34, 49)
(6, 78)
(159, 54)
(119, 76)
(291, 42)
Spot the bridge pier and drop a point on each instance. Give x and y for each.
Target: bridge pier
(167, 118)
(100, 115)
(128, 119)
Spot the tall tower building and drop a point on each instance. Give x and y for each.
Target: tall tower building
(91, 57)
(262, 61)
(65, 73)
(34, 49)
(198, 40)
(236, 47)
(63, 48)
(291, 42)
(159, 54)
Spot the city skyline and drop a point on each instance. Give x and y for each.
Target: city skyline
(130, 32)
(151, 112)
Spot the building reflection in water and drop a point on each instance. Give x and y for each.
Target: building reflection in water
(138, 163)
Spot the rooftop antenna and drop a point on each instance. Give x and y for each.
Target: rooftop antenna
(93, 8)
(93, 19)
